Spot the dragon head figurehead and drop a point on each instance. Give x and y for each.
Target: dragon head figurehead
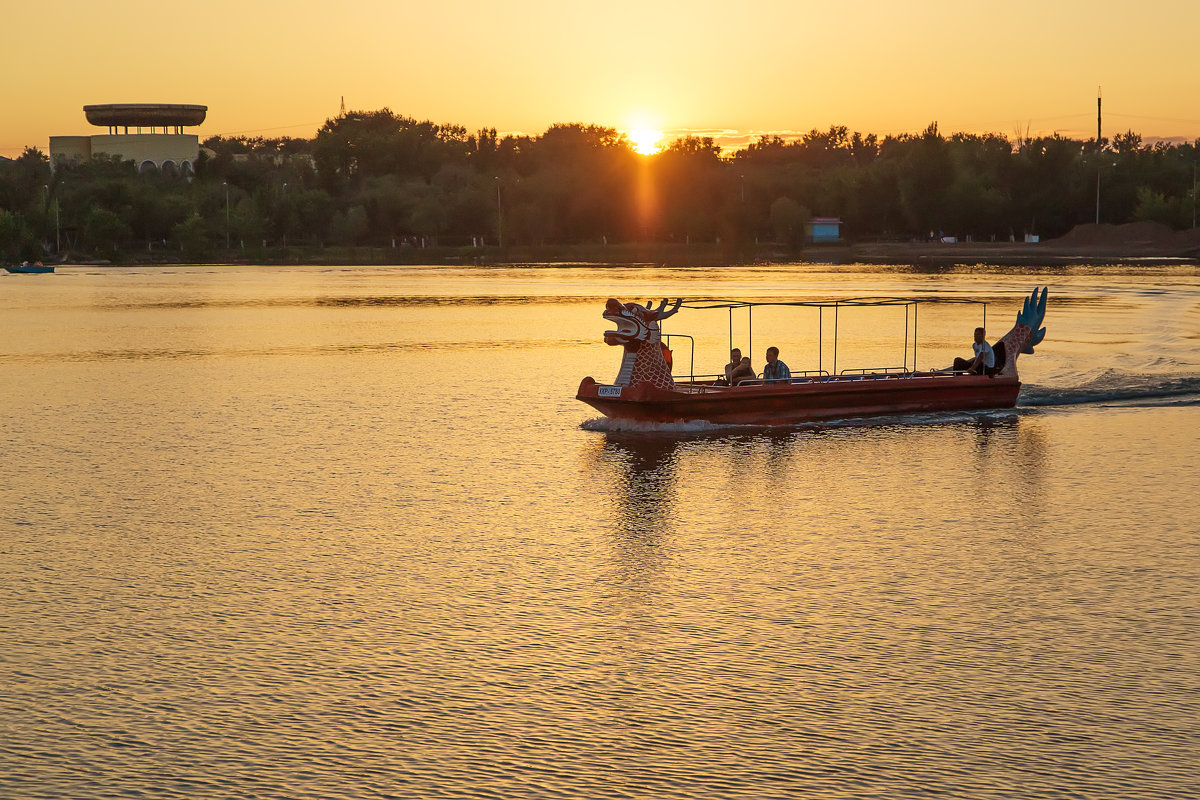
(635, 324)
(639, 333)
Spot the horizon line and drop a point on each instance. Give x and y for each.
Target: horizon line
(733, 139)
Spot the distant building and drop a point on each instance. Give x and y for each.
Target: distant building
(169, 150)
(823, 230)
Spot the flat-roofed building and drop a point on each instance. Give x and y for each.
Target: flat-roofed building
(134, 135)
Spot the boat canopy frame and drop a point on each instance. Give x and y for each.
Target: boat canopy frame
(907, 303)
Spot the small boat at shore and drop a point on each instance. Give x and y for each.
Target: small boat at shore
(646, 391)
(29, 269)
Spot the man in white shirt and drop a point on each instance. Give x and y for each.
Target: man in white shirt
(984, 362)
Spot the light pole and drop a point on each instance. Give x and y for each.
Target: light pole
(285, 214)
(226, 185)
(499, 216)
(1193, 194)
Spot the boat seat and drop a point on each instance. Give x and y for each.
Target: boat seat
(1001, 356)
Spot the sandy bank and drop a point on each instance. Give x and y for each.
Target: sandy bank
(1134, 242)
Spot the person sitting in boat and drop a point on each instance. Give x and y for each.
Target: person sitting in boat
(744, 372)
(775, 370)
(738, 369)
(984, 362)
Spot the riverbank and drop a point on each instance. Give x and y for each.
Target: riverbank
(1134, 243)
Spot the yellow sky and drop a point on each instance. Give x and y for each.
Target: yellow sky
(274, 68)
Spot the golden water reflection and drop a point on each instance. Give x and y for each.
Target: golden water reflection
(261, 538)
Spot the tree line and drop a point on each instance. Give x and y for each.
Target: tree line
(379, 179)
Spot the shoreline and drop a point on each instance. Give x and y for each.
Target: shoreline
(1135, 244)
(916, 255)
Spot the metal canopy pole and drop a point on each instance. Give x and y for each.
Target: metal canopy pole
(731, 329)
(906, 340)
(820, 336)
(835, 332)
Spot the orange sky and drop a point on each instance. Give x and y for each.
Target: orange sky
(274, 68)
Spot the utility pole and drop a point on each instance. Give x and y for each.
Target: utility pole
(1099, 148)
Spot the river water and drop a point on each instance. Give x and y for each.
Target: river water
(345, 533)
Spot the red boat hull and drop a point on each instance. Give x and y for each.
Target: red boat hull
(803, 401)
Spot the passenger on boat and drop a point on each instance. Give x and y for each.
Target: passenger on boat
(735, 358)
(741, 370)
(737, 370)
(984, 362)
(775, 370)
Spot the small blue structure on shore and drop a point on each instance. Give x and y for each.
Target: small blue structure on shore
(823, 230)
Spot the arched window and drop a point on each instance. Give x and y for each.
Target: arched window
(147, 167)
(170, 169)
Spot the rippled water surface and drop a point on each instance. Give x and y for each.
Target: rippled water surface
(345, 533)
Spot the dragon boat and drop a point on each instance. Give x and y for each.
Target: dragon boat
(645, 389)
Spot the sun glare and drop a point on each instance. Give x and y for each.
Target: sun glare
(645, 141)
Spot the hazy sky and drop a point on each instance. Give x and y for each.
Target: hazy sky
(273, 68)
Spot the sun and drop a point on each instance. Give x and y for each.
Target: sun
(645, 141)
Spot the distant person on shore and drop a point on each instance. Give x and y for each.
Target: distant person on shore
(984, 361)
(775, 370)
(738, 369)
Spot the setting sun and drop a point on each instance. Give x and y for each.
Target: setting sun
(645, 141)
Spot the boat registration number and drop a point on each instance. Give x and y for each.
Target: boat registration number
(608, 391)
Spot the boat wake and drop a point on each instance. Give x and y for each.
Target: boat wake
(1112, 386)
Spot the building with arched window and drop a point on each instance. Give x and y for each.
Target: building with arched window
(148, 134)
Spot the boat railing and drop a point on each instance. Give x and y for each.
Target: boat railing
(877, 371)
(691, 355)
(799, 376)
(702, 384)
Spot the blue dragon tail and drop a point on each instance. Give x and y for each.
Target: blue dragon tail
(1033, 314)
